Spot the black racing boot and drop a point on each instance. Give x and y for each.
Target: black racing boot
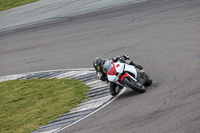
(137, 66)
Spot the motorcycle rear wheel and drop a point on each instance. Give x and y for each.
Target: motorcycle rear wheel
(134, 86)
(148, 80)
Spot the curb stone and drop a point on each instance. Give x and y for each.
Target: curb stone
(98, 95)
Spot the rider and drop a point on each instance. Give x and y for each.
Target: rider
(98, 65)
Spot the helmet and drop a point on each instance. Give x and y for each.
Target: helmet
(97, 63)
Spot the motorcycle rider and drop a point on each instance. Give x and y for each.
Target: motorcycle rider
(98, 65)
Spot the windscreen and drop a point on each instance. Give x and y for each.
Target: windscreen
(107, 66)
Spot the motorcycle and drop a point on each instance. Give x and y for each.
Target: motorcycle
(125, 75)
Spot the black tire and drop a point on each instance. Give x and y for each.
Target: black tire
(140, 89)
(148, 80)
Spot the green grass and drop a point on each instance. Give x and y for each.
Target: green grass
(7, 4)
(29, 104)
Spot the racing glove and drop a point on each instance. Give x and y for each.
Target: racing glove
(99, 75)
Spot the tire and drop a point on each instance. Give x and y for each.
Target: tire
(148, 80)
(140, 89)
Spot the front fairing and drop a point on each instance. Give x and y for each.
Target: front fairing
(112, 78)
(109, 68)
(131, 69)
(113, 69)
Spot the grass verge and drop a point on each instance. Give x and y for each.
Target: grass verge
(7, 4)
(30, 103)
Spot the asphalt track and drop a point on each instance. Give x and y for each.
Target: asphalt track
(161, 35)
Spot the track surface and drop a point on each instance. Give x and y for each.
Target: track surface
(161, 35)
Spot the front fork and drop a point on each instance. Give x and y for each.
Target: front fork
(136, 81)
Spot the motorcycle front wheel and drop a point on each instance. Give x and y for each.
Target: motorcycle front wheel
(134, 85)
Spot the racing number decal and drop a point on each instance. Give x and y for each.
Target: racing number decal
(118, 65)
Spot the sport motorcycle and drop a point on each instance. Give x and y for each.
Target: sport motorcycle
(125, 75)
